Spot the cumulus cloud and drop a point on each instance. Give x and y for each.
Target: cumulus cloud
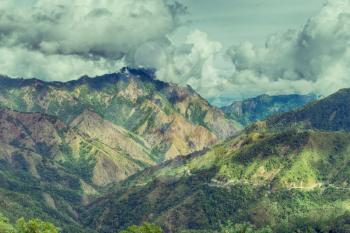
(65, 39)
(195, 61)
(81, 36)
(313, 59)
(186, 62)
(20, 62)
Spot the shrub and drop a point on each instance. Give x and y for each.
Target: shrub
(144, 228)
(35, 226)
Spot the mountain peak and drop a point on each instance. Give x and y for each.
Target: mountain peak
(139, 72)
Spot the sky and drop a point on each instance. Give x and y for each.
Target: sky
(235, 21)
(224, 49)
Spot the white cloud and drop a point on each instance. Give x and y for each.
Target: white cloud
(62, 40)
(21, 62)
(96, 33)
(185, 64)
(316, 58)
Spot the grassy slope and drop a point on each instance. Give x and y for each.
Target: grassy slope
(34, 181)
(331, 113)
(281, 180)
(24, 196)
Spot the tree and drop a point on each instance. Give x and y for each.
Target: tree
(5, 226)
(243, 228)
(144, 228)
(35, 226)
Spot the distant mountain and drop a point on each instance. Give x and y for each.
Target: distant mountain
(331, 113)
(289, 173)
(171, 120)
(220, 101)
(263, 106)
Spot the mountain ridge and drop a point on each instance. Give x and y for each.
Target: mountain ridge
(330, 113)
(279, 177)
(263, 106)
(277, 173)
(132, 98)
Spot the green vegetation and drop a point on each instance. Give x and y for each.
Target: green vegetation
(144, 228)
(243, 228)
(290, 173)
(83, 165)
(133, 100)
(47, 162)
(157, 152)
(331, 114)
(35, 226)
(261, 107)
(196, 114)
(5, 225)
(31, 226)
(260, 181)
(51, 198)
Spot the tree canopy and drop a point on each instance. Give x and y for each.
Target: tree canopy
(23, 226)
(144, 228)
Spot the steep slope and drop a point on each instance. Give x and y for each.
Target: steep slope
(132, 99)
(278, 180)
(263, 106)
(103, 150)
(118, 153)
(330, 113)
(287, 177)
(33, 184)
(49, 169)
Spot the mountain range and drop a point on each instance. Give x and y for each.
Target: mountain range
(64, 142)
(145, 120)
(261, 107)
(101, 154)
(292, 179)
